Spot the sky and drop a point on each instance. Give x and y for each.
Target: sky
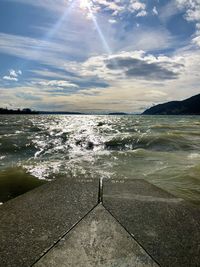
(98, 55)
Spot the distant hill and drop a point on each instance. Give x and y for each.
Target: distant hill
(117, 113)
(59, 113)
(27, 111)
(189, 106)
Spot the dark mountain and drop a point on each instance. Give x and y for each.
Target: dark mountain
(189, 106)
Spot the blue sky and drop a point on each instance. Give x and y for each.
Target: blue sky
(99, 55)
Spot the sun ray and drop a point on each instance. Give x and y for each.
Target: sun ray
(86, 4)
(59, 23)
(38, 50)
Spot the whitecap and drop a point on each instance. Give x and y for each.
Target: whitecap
(194, 155)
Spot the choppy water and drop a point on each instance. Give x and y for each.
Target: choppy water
(164, 150)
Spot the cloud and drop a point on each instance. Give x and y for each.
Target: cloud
(129, 65)
(155, 11)
(48, 73)
(9, 78)
(192, 9)
(192, 14)
(115, 8)
(136, 5)
(142, 13)
(35, 49)
(147, 38)
(168, 10)
(13, 75)
(141, 68)
(112, 21)
(196, 40)
(124, 93)
(64, 43)
(72, 69)
(57, 83)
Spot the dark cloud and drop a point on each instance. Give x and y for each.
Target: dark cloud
(139, 68)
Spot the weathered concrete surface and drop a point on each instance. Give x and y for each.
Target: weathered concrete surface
(96, 241)
(165, 226)
(33, 222)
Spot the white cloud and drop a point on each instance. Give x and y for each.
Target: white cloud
(192, 8)
(57, 83)
(9, 78)
(115, 7)
(196, 40)
(112, 21)
(155, 11)
(136, 6)
(13, 75)
(141, 13)
(48, 74)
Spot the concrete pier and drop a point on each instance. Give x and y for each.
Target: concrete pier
(166, 226)
(97, 241)
(64, 223)
(32, 223)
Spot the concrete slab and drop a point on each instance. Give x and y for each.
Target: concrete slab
(97, 241)
(32, 223)
(167, 227)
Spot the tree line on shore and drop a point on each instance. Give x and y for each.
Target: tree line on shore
(17, 111)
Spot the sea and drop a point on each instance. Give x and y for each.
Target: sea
(36, 149)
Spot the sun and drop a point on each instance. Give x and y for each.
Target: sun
(85, 4)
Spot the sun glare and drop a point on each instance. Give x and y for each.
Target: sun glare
(85, 4)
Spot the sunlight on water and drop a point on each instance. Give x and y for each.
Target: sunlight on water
(163, 150)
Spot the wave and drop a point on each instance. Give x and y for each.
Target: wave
(165, 142)
(66, 144)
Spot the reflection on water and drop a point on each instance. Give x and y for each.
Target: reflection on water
(162, 149)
